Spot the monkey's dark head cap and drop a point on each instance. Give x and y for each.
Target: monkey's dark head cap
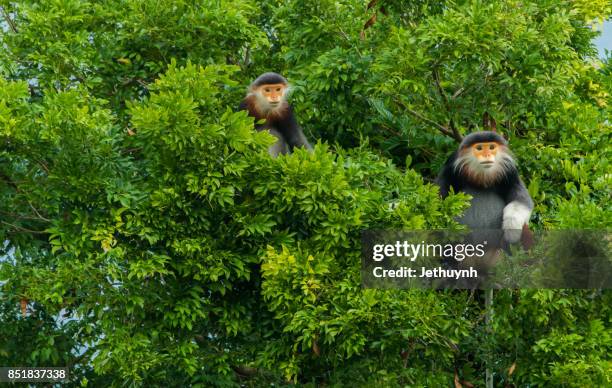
(269, 78)
(482, 137)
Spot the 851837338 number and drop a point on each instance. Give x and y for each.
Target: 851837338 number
(33, 374)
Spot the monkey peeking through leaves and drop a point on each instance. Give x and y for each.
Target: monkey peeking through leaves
(267, 100)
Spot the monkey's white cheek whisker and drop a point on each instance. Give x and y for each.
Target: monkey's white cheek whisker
(461, 163)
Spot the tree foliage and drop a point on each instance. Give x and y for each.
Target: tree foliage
(146, 237)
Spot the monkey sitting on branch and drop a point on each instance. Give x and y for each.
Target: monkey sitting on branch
(267, 100)
(484, 167)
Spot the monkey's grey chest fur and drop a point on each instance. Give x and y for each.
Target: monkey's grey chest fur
(486, 210)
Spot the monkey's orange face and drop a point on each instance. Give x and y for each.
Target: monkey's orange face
(273, 93)
(485, 153)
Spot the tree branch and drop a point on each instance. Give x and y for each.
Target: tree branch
(8, 20)
(22, 229)
(448, 132)
(436, 76)
(37, 213)
(21, 216)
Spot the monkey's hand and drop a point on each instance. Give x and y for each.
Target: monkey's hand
(516, 214)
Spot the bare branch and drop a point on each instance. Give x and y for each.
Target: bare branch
(42, 165)
(18, 216)
(9, 21)
(441, 92)
(448, 132)
(22, 229)
(436, 76)
(37, 213)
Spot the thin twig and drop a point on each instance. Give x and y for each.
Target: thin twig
(348, 39)
(390, 129)
(37, 213)
(441, 92)
(22, 229)
(8, 20)
(455, 135)
(42, 165)
(344, 35)
(451, 125)
(19, 216)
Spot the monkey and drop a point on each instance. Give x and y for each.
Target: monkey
(267, 99)
(484, 167)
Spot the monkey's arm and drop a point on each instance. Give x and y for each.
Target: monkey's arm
(444, 184)
(517, 211)
(293, 133)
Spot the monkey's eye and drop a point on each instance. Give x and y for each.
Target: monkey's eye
(267, 90)
(492, 147)
(278, 89)
(479, 147)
